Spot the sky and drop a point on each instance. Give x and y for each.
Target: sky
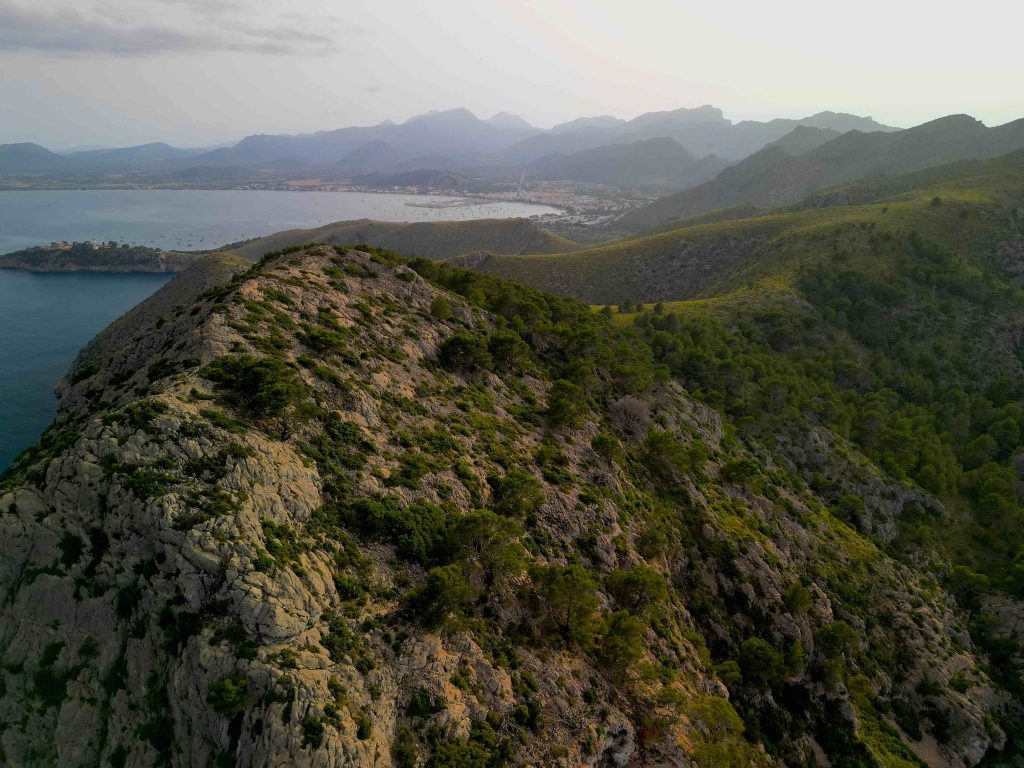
(85, 73)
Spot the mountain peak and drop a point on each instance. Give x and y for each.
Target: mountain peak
(959, 121)
(583, 123)
(844, 121)
(24, 148)
(444, 116)
(703, 114)
(508, 121)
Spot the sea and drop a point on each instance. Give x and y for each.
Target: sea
(45, 319)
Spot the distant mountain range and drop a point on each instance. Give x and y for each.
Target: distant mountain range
(703, 131)
(28, 158)
(808, 160)
(660, 162)
(706, 161)
(672, 149)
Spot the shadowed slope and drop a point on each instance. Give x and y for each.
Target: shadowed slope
(431, 239)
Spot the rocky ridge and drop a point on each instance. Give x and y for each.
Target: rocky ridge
(344, 509)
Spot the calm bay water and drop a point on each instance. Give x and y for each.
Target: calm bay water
(46, 319)
(201, 219)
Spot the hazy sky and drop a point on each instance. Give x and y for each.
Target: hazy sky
(198, 72)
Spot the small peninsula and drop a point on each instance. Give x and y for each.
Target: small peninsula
(96, 257)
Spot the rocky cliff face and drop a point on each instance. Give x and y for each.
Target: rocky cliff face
(332, 513)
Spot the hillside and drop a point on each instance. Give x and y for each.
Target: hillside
(894, 326)
(430, 239)
(715, 253)
(671, 265)
(126, 159)
(29, 158)
(777, 176)
(419, 179)
(347, 508)
(90, 257)
(662, 163)
(804, 138)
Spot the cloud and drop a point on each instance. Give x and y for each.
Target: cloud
(160, 27)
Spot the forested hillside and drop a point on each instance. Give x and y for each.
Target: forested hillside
(349, 505)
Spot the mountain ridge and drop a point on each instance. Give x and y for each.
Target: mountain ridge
(257, 560)
(773, 177)
(659, 162)
(487, 145)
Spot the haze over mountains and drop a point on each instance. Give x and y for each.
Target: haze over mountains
(659, 162)
(676, 148)
(806, 161)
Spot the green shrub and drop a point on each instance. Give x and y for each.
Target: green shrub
(340, 640)
(142, 414)
(607, 446)
(796, 598)
(283, 543)
(459, 754)
(638, 589)
(228, 696)
(312, 731)
(835, 639)
(622, 641)
(423, 703)
(342, 446)
(464, 352)
(739, 470)
(567, 404)
(444, 597)
(567, 599)
(145, 482)
(441, 308)
(262, 386)
(71, 548)
(323, 340)
(719, 740)
(413, 466)
(729, 673)
(416, 531)
(49, 687)
(668, 459)
(405, 749)
(488, 544)
(517, 494)
(508, 350)
(760, 662)
(364, 725)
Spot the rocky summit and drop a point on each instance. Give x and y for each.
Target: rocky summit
(346, 509)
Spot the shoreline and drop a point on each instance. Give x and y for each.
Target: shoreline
(234, 227)
(464, 200)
